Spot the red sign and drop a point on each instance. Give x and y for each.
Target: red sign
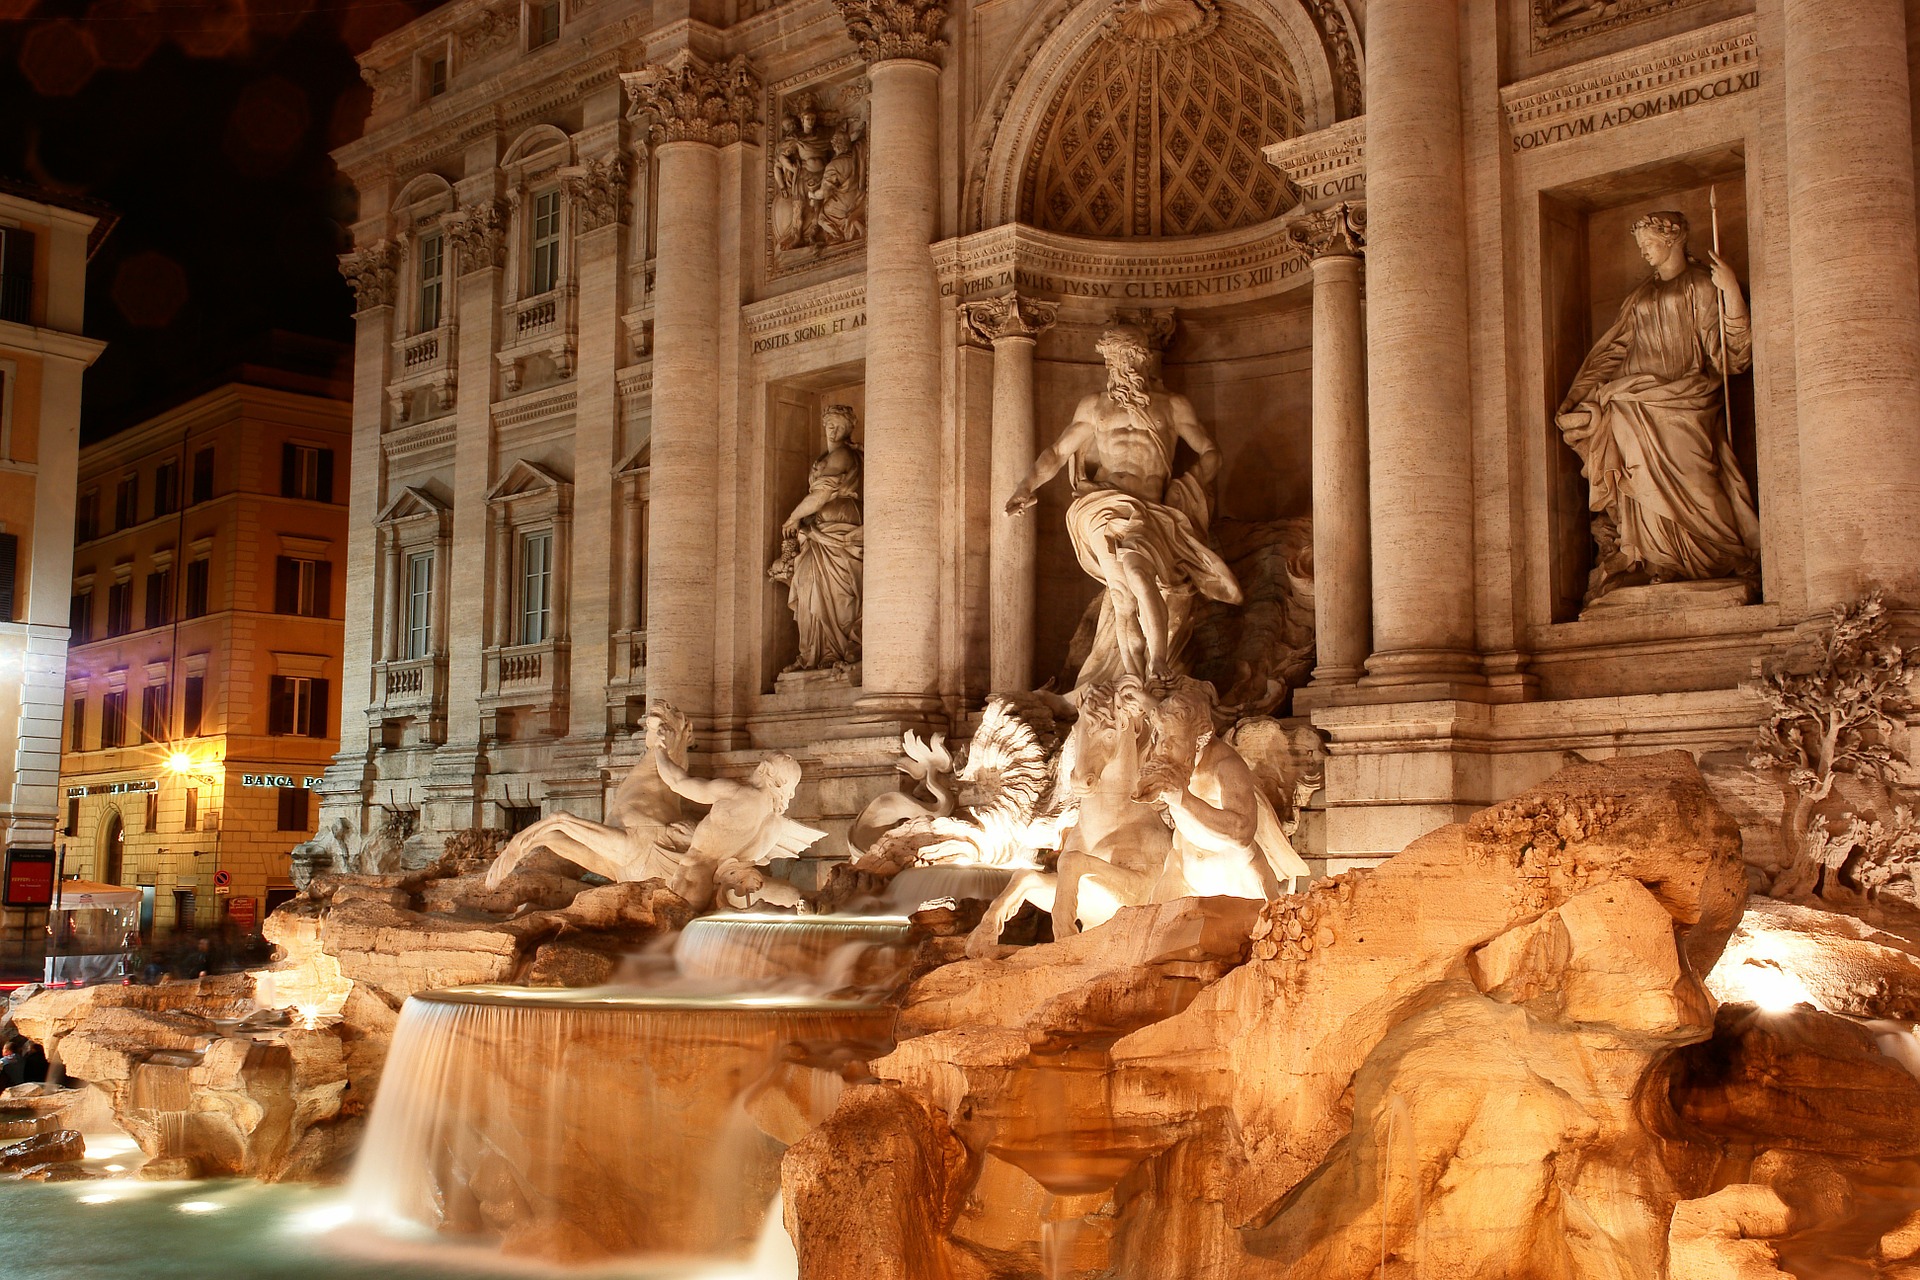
(240, 911)
(223, 877)
(29, 878)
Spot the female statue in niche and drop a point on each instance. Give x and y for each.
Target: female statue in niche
(822, 552)
(1647, 416)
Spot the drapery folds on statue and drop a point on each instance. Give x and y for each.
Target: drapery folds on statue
(1647, 415)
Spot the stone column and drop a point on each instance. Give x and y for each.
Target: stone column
(1342, 572)
(394, 595)
(502, 584)
(900, 631)
(1013, 326)
(696, 110)
(1856, 296)
(1421, 443)
(631, 562)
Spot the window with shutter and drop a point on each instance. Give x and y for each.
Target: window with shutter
(160, 597)
(16, 275)
(120, 608)
(9, 568)
(193, 706)
(77, 725)
(113, 719)
(196, 588)
(80, 617)
(191, 822)
(203, 475)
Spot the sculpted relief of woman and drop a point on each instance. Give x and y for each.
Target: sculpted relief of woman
(1646, 415)
(822, 552)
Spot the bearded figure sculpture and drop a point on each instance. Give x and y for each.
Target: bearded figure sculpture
(1138, 530)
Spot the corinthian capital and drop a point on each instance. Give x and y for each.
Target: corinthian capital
(1337, 232)
(479, 232)
(1009, 316)
(693, 102)
(599, 192)
(896, 28)
(370, 273)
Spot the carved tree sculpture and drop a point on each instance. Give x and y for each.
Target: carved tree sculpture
(1838, 717)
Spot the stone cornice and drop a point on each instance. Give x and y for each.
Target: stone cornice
(534, 406)
(1250, 262)
(890, 29)
(693, 101)
(830, 297)
(1650, 80)
(1326, 166)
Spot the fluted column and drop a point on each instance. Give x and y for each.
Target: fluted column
(1856, 296)
(1420, 443)
(1342, 574)
(631, 559)
(900, 633)
(502, 584)
(1013, 326)
(696, 110)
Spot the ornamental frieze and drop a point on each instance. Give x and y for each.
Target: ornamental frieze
(599, 192)
(1654, 80)
(479, 232)
(1554, 23)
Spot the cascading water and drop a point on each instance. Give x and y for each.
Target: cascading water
(584, 1123)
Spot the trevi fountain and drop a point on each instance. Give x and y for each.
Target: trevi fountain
(1144, 639)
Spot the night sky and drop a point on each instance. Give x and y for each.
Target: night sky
(205, 124)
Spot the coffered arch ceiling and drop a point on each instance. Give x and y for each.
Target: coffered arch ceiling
(1146, 118)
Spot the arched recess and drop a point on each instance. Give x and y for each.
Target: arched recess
(1315, 37)
(424, 195)
(113, 847)
(537, 142)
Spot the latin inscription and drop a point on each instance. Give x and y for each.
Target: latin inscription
(1600, 121)
(810, 332)
(1129, 290)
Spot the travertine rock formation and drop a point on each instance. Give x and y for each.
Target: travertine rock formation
(1439, 1063)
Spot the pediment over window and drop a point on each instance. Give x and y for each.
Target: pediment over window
(639, 460)
(411, 503)
(529, 480)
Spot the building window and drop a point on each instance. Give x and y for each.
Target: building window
(73, 816)
(86, 517)
(153, 812)
(126, 503)
(196, 605)
(120, 608)
(298, 706)
(293, 808)
(183, 908)
(193, 706)
(16, 275)
(420, 604)
(80, 617)
(434, 77)
(536, 586)
(544, 262)
(153, 712)
(433, 265)
(113, 719)
(190, 821)
(160, 597)
(306, 472)
(543, 24)
(203, 475)
(166, 488)
(302, 587)
(9, 571)
(77, 725)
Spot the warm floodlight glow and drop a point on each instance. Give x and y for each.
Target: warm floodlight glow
(98, 1199)
(197, 1206)
(1771, 987)
(320, 1220)
(180, 762)
(114, 1168)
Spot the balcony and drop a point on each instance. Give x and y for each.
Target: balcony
(537, 338)
(424, 367)
(524, 684)
(413, 689)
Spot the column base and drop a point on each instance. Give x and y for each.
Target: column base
(920, 711)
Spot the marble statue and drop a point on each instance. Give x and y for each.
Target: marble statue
(645, 836)
(1138, 529)
(330, 852)
(822, 550)
(1647, 415)
(1156, 806)
(819, 169)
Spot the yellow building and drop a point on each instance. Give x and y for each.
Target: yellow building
(45, 243)
(201, 686)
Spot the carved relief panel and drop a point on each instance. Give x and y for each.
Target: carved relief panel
(817, 174)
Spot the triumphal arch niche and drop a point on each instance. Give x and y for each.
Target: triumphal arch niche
(1123, 181)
